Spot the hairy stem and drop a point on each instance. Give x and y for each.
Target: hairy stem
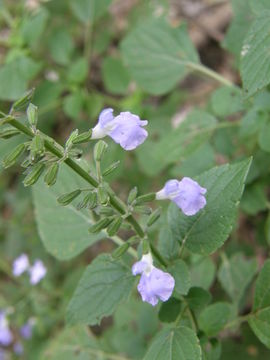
(58, 151)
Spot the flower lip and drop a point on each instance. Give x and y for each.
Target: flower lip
(187, 194)
(125, 129)
(154, 283)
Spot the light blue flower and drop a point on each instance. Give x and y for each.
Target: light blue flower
(154, 284)
(187, 194)
(18, 348)
(37, 272)
(27, 329)
(6, 336)
(20, 265)
(125, 129)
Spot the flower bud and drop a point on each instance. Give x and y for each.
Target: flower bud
(66, 199)
(51, 174)
(33, 176)
(12, 157)
(146, 210)
(103, 197)
(145, 198)
(32, 114)
(23, 102)
(82, 138)
(99, 150)
(111, 168)
(114, 226)
(37, 145)
(100, 225)
(106, 211)
(120, 251)
(8, 133)
(154, 217)
(132, 195)
(71, 137)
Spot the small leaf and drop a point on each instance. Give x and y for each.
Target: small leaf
(180, 273)
(198, 298)
(104, 285)
(235, 274)
(213, 318)
(169, 310)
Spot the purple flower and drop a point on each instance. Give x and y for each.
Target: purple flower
(18, 348)
(154, 284)
(6, 336)
(26, 329)
(37, 272)
(187, 194)
(125, 129)
(20, 265)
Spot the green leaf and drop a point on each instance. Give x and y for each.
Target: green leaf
(104, 284)
(73, 105)
(176, 144)
(239, 27)
(213, 318)
(256, 55)
(169, 310)
(33, 26)
(226, 101)
(63, 230)
(174, 344)
(235, 274)
(264, 136)
(73, 343)
(254, 199)
(89, 10)
(259, 321)
(202, 271)
(205, 232)
(198, 298)
(61, 46)
(115, 76)
(158, 55)
(77, 72)
(14, 77)
(179, 271)
(259, 5)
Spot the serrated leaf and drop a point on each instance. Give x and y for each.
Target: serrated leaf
(157, 55)
(104, 284)
(259, 321)
(63, 230)
(180, 272)
(213, 318)
(205, 232)
(174, 344)
(235, 274)
(255, 61)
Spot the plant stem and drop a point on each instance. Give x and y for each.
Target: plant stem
(118, 241)
(58, 151)
(157, 255)
(210, 73)
(239, 320)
